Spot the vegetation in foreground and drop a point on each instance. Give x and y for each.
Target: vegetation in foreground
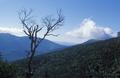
(7, 70)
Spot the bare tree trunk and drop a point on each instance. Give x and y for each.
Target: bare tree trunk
(33, 50)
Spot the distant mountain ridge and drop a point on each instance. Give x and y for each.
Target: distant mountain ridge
(13, 47)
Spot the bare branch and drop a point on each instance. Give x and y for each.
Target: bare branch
(52, 24)
(25, 15)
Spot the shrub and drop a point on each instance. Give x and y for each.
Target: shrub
(7, 70)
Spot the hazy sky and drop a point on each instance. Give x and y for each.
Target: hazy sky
(84, 19)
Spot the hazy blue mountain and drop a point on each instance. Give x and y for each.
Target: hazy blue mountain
(65, 43)
(13, 47)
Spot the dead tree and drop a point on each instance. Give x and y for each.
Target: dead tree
(31, 29)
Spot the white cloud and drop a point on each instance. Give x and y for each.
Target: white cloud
(11, 30)
(89, 30)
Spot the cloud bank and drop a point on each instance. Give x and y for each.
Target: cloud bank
(90, 30)
(11, 30)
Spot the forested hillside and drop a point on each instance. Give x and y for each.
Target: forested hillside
(96, 60)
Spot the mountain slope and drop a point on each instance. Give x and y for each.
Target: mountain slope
(13, 47)
(90, 41)
(96, 60)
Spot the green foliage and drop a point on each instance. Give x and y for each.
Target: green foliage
(96, 60)
(7, 70)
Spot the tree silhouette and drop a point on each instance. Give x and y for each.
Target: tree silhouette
(31, 29)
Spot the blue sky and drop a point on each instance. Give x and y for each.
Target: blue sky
(105, 14)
